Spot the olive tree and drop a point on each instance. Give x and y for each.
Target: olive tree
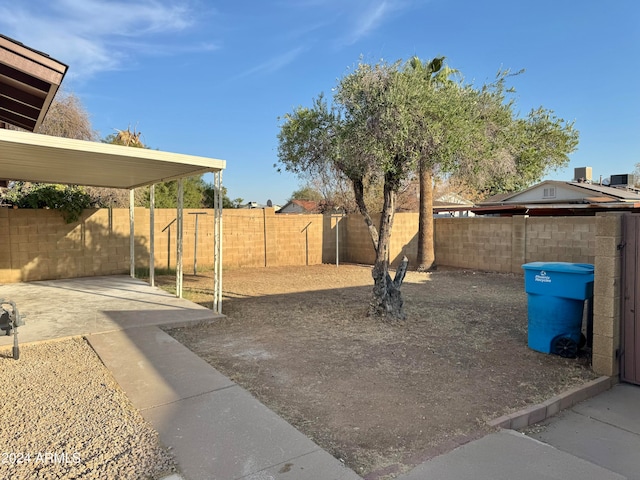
(389, 123)
(365, 135)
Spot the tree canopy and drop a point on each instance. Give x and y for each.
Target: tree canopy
(307, 193)
(68, 118)
(389, 122)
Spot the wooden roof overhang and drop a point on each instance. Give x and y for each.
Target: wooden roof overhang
(29, 80)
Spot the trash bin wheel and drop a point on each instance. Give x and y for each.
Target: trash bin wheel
(565, 347)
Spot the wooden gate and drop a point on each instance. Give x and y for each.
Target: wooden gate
(630, 315)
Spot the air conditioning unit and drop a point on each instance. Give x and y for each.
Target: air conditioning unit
(582, 174)
(622, 180)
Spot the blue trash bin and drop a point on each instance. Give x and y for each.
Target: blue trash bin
(556, 293)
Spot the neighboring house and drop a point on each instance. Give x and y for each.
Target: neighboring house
(553, 197)
(452, 205)
(446, 205)
(259, 205)
(301, 206)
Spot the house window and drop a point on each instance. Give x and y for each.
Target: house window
(549, 192)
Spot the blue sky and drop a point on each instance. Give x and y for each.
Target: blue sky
(211, 78)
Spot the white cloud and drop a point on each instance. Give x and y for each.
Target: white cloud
(275, 63)
(356, 19)
(93, 36)
(368, 21)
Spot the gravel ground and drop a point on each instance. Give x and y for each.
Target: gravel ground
(65, 417)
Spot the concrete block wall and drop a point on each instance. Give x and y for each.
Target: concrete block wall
(607, 291)
(404, 239)
(503, 244)
(261, 238)
(39, 245)
(500, 244)
(476, 243)
(244, 238)
(5, 248)
(166, 234)
(561, 239)
(334, 238)
(298, 239)
(358, 247)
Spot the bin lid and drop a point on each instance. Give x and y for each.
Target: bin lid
(578, 268)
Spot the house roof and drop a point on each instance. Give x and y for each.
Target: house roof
(29, 80)
(584, 193)
(42, 158)
(303, 206)
(576, 199)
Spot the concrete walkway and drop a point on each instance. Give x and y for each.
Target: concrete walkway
(604, 430)
(216, 429)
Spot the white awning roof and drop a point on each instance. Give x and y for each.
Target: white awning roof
(42, 158)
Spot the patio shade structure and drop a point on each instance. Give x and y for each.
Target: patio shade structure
(29, 80)
(40, 158)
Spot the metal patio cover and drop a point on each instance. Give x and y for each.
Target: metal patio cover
(41, 158)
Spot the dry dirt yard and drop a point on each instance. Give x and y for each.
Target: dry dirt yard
(380, 397)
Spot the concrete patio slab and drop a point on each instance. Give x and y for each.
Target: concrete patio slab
(153, 368)
(604, 430)
(81, 306)
(508, 455)
(619, 407)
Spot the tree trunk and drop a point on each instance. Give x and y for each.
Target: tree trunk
(426, 254)
(387, 299)
(358, 191)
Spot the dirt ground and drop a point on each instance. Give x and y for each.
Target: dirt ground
(380, 397)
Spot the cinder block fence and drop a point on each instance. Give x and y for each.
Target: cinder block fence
(39, 245)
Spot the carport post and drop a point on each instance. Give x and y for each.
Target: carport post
(179, 240)
(152, 237)
(132, 235)
(217, 242)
